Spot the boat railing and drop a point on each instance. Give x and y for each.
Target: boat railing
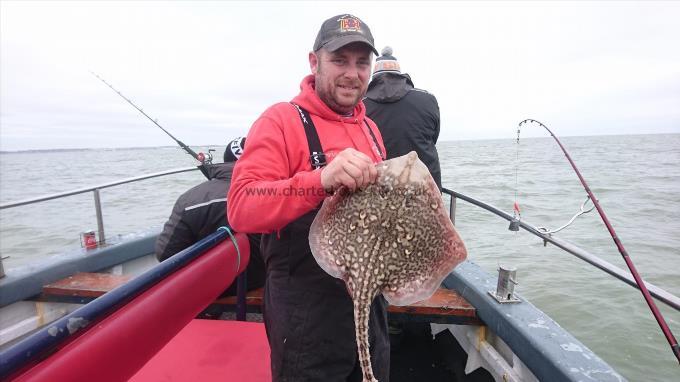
(621, 274)
(95, 190)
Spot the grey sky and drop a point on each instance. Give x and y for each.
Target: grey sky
(207, 70)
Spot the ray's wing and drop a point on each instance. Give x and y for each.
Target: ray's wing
(433, 251)
(322, 233)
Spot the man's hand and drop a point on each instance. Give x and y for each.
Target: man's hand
(350, 168)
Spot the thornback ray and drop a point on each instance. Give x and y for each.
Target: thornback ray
(392, 237)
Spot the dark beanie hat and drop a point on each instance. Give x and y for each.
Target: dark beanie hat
(386, 63)
(234, 149)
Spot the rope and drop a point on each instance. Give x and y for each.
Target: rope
(233, 240)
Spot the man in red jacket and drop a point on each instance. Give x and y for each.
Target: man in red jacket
(299, 152)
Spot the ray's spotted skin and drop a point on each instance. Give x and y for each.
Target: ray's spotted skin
(392, 237)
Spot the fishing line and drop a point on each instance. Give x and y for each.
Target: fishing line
(516, 214)
(638, 280)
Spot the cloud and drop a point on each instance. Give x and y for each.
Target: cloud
(206, 70)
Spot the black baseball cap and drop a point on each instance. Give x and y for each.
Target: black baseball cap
(341, 30)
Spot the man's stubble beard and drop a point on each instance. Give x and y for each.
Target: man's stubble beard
(327, 97)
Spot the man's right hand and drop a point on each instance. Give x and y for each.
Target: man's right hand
(350, 168)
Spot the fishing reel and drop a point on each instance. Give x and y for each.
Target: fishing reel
(206, 159)
(206, 162)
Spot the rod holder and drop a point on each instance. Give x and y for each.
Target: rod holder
(506, 285)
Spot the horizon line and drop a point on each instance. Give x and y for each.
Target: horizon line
(29, 150)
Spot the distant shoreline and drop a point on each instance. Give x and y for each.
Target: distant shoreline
(215, 146)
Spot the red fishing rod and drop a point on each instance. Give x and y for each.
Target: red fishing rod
(638, 280)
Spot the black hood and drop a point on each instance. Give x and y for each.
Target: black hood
(389, 87)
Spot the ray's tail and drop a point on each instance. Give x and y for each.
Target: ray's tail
(362, 309)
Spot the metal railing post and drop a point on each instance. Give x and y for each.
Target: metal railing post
(452, 209)
(100, 219)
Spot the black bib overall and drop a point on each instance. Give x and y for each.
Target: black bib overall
(309, 314)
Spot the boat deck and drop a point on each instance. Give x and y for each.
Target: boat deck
(519, 343)
(210, 350)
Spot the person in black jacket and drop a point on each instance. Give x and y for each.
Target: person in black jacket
(201, 210)
(408, 118)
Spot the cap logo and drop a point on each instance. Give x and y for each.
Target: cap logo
(350, 24)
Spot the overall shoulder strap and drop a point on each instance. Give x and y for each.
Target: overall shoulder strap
(316, 156)
(375, 140)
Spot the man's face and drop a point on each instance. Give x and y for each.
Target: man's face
(341, 77)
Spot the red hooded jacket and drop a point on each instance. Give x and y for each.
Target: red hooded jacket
(273, 182)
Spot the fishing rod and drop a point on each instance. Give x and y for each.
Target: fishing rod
(638, 280)
(205, 160)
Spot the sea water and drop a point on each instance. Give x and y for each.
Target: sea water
(636, 179)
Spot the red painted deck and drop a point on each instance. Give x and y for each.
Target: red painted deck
(211, 350)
